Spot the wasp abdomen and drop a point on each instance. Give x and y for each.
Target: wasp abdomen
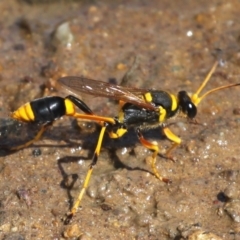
(41, 110)
(48, 109)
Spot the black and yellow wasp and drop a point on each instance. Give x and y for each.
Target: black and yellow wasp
(139, 108)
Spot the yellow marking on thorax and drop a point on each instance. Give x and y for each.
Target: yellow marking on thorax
(121, 116)
(24, 113)
(121, 112)
(70, 109)
(162, 114)
(148, 97)
(174, 102)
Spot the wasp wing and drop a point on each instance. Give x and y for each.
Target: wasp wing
(103, 89)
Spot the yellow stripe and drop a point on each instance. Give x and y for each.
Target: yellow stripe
(162, 114)
(148, 97)
(174, 102)
(24, 113)
(121, 116)
(70, 110)
(29, 112)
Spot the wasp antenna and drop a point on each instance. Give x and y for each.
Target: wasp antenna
(217, 89)
(195, 97)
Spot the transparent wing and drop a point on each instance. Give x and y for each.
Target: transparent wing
(103, 89)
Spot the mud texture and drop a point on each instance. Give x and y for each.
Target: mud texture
(173, 44)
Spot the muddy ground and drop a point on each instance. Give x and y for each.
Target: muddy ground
(173, 45)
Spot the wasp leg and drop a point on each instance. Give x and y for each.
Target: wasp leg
(154, 147)
(88, 114)
(88, 176)
(95, 118)
(36, 138)
(172, 137)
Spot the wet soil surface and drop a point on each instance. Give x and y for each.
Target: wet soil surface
(173, 44)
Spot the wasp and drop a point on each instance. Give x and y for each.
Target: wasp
(139, 108)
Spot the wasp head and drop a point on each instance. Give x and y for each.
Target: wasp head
(187, 106)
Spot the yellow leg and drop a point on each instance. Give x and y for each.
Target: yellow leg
(154, 147)
(94, 118)
(87, 178)
(172, 137)
(36, 138)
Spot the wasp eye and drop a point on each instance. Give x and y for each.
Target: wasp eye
(191, 110)
(186, 104)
